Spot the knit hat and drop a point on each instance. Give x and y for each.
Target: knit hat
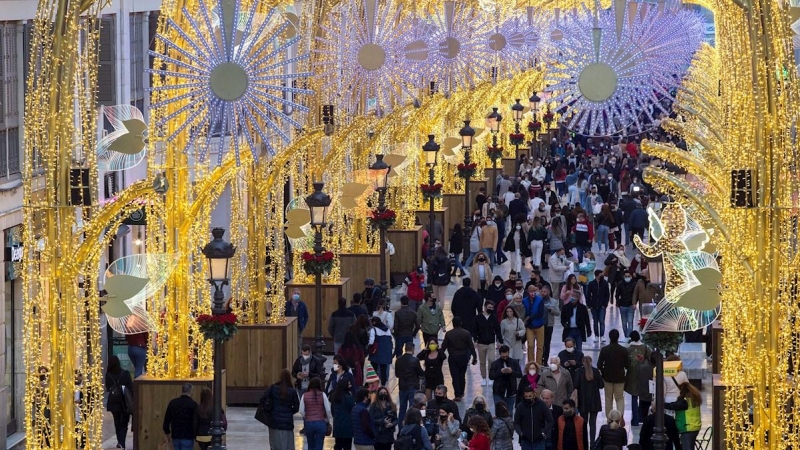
(372, 376)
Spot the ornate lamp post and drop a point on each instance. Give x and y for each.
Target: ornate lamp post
(493, 124)
(533, 102)
(467, 134)
(218, 253)
(379, 172)
(431, 149)
(659, 431)
(318, 203)
(516, 113)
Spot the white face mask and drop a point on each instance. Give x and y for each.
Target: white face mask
(335, 367)
(422, 412)
(628, 279)
(498, 284)
(553, 367)
(532, 372)
(509, 297)
(570, 349)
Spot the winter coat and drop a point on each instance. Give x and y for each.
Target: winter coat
(456, 244)
(562, 389)
(637, 355)
(582, 320)
(340, 323)
(441, 270)
(624, 293)
(639, 219)
(607, 436)
(475, 275)
(415, 282)
(524, 248)
(383, 337)
(354, 355)
(383, 435)
(430, 321)
(489, 236)
(487, 329)
(612, 362)
(589, 391)
(556, 241)
(475, 240)
(502, 433)
(315, 369)
(532, 422)
(363, 433)
(283, 408)
(334, 379)
(552, 310)
(535, 312)
(123, 379)
(597, 294)
(467, 305)
(342, 420)
(301, 312)
(505, 384)
(558, 266)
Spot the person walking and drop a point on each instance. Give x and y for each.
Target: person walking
(459, 347)
(597, 301)
(306, 367)
(203, 415)
(480, 430)
(517, 245)
(571, 428)
(532, 377)
(558, 265)
(440, 268)
(137, 348)
(552, 308)
(405, 326)
(588, 383)
(297, 308)
(487, 337)
(382, 312)
(456, 249)
(488, 240)
(408, 371)
(504, 372)
(502, 431)
(466, 304)
(383, 413)
(117, 381)
(512, 328)
(575, 320)
(178, 421)
(556, 380)
(363, 434)
(625, 302)
(285, 404)
(342, 403)
(353, 353)
(380, 349)
(434, 361)
(534, 323)
(415, 287)
(339, 323)
(613, 363)
(687, 414)
(339, 371)
(638, 353)
(315, 409)
(430, 319)
(478, 409)
(532, 421)
(481, 274)
(643, 385)
(537, 234)
(613, 432)
(584, 235)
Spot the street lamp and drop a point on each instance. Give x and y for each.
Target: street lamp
(431, 149)
(533, 102)
(659, 430)
(218, 253)
(467, 134)
(493, 124)
(379, 173)
(318, 203)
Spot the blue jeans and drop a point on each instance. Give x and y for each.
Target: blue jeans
(627, 319)
(406, 398)
(581, 250)
(315, 434)
(183, 444)
(509, 401)
(138, 356)
(635, 419)
(575, 333)
(526, 445)
(471, 256)
(599, 321)
(489, 254)
(602, 237)
(399, 343)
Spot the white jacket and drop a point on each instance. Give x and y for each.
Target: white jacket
(558, 265)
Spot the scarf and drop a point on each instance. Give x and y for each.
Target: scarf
(532, 380)
(623, 260)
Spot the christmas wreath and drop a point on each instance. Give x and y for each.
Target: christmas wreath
(663, 341)
(217, 326)
(314, 265)
(467, 170)
(548, 117)
(431, 191)
(495, 152)
(383, 219)
(534, 126)
(516, 138)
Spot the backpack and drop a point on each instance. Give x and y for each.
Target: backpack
(410, 441)
(121, 395)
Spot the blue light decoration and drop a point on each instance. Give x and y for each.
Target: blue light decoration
(232, 80)
(616, 69)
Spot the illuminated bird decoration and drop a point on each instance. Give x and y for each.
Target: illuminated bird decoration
(124, 147)
(297, 223)
(353, 194)
(129, 282)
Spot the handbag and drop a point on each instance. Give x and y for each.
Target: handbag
(583, 279)
(264, 408)
(328, 429)
(524, 336)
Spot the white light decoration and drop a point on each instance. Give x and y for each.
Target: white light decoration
(123, 148)
(613, 68)
(450, 49)
(515, 41)
(230, 82)
(357, 48)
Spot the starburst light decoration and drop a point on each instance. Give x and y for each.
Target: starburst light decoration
(451, 48)
(515, 41)
(231, 83)
(357, 50)
(615, 68)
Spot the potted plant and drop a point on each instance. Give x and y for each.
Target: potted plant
(383, 219)
(217, 326)
(495, 152)
(516, 138)
(317, 265)
(467, 170)
(431, 191)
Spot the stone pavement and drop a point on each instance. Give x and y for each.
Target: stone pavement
(245, 432)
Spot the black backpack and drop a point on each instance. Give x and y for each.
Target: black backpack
(409, 441)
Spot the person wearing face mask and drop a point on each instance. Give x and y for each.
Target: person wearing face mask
(481, 271)
(504, 372)
(588, 383)
(625, 301)
(503, 304)
(296, 308)
(488, 241)
(466, 304)
(496, 291)
(449, 428)
(408, 371)
(342, 403)
(383, 413)
(535, 316)
(430, 319)
(517, 245)
(616, 263)
(532, 422)
(434, 362)
(571, 358)
(512, 328)
(531, 378)
(459, 347)
(638, 353)
(306, 367)
(571, 429)
(487, 337)
(440, 401)
(556, 380)
(340, 372)
(575, 320)
(552, 309)
(478, 409)
(537, 234)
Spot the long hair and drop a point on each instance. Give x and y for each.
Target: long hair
(572, 281)
(206, 403)
(690, 393)
(501, 409)
(114, 366)
(387, 404)
(314, 384)
(479, 424)
(513, 311)
(342, 390)
(588, 370)
(284, 383)
(605, 211)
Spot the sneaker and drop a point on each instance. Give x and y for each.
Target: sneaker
(490, 382)
(484, 382)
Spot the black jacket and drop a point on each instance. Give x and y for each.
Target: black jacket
(612, 362)
(466, 304)
(340, 323)
(441, 270)
(315, 370)
(434, 405)
(505, 384)
(646, 434)
(283, 407)
(589, 391)
(487, 329)
(533, 423)
(517, 206)
(408, 372)
(456, 244)
(115, 404)
(179, 418)
(624, 293)
(458, 341)
(581, 320)
(617, 437)
(405, 322)
(494, 293)
(598, 294)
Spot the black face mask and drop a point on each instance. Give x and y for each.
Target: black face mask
(480, 407)
(529, 401)
(439, 398)
(383, 397)
(443, 418)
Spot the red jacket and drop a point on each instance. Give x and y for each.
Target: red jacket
(480, 442)
(415, 290)
(632, 150)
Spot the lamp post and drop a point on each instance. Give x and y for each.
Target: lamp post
(431, 149)
(516, 113)
(493, 124)
(533, 102)
(218, 253)
(659, 431)
(318, 203)
(379, 172)
(467, 134)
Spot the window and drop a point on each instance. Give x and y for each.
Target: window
(106, 73)
(9, 99)
(138, 59)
